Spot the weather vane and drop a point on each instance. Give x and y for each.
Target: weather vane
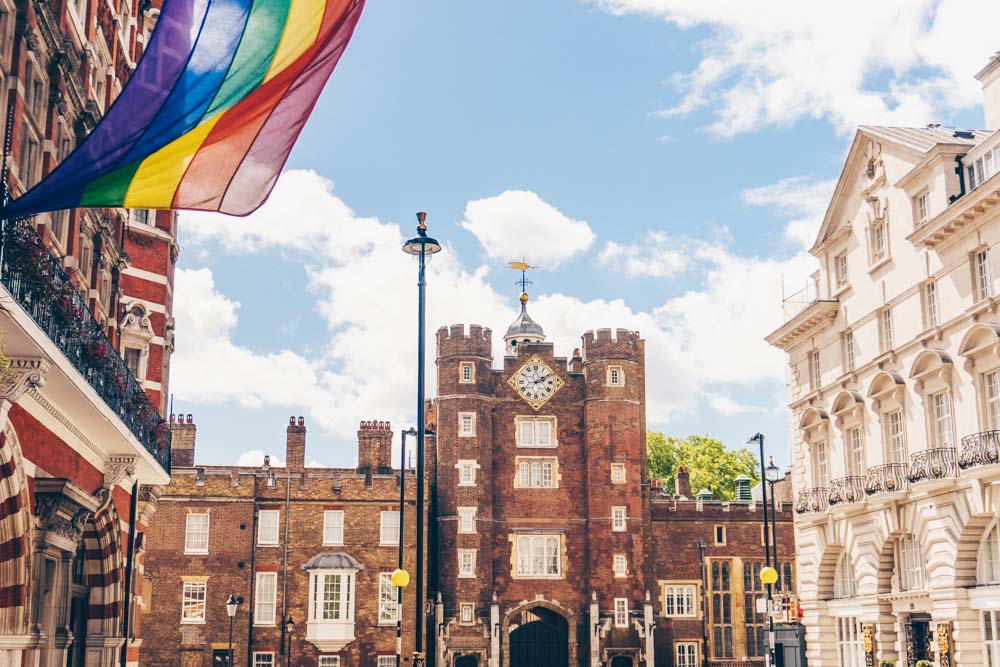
(523, 267)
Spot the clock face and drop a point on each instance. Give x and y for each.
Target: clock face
(535, 382)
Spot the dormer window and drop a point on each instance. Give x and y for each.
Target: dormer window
(921, 209)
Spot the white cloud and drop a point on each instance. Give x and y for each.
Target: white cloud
(502, 223)
(657, 256)
(254, 458)
(849, 62)
(799, 196)
(726, 405)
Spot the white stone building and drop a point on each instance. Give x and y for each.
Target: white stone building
(894, 355)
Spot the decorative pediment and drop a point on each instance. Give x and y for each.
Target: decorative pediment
(886, 386)
(980, 340)
(931, 367)
(136, 321)
(814, 423)
(848, 405)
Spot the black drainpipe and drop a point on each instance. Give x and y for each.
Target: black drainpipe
(253, 581)
(960, 170)
(130, 557)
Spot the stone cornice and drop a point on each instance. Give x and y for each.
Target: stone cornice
(810, 319)
(966, 211)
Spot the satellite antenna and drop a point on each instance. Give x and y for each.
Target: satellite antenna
(523, 267)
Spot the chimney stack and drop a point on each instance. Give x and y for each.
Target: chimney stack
(182, 436)
(989, 77)
(375, 448)
(682, 482)
(295, 445)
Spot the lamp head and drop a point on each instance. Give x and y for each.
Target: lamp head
(768, 576)
(231, 604)
(772, 472)
(400, 578)
(289, 623)
(421, 244)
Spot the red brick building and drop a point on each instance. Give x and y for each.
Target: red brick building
(85, 341)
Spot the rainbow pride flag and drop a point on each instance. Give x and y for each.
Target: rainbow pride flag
(212, 111)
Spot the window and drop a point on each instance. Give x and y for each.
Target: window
(331, 596)
(941, 407)
(536, 472)
(991, 637)
(267, 527)
(721, 610)
(196, 534)
(849, 351)
(132, 359)
(991, 382)
(855, 452)
(329, 661)
(29, 158)
(618, 520)
(86, 258)
(840, 269)
(466, 519)
(754, 621)
(141, 216)
(617, 473)
(686, 654)
(878, 241)
(845, 582)
(621, 612)
(720, 535)
(466, 563)
(679, 600)
(921, 209)
(909, 564)
(989, 559)
(466, 613)
(466, 472)
(466, 372)
(815, 370)
(104, 291)
(971, 170)
(389, 530)
(620, 565)
(850, 643)
(333, 527)
(59, 220)
(535, 432)
(821, 465)
(982, 275)
(885, 328)
(616, 378)
(193, 602)
(387, 601)
(386, 661)
(931, 304)
(263, 660)
(538, 556)
(265, 598)
(467, 424)
(895, 437)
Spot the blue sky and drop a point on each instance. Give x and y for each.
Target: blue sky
(665, 165)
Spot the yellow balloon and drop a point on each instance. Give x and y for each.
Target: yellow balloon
(768, 575)
(400, 578)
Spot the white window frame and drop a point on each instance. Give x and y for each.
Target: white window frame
(538, 556)
(265, 539)
(388, 604)
(193, 538)
(840, 270)
(982, 274)
(621, 612)
(466, 378)
(619, 519)
(686, 654)
(265, 598)
(821, 464)
(467, 471)
(895, 436)
(850, 642)
(263, 659)
(386, 661)
(616, 376)
(342, 606)
(193, 595)
(619, 565)
(466, 613)
(878, 241)
(886, 329)
(467, 563)
(467, 520)
(921, 209)
(530, 434)
(854, 444)
(991, 635)
(845, 583)
(536, 472)
(942, 427)
(680, 600)
(991, 397)
(850, 351)
(815, 370)
(333, 527)
(466, 424)
(329, 661)
(384, 529)
(719, 529)
(910, 564)
(988, 570)
(617, 473)
(932, 308)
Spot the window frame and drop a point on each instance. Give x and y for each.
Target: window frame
(849, 641)
(466, 517)
(329, 661)
(932, 304)
(878, 242)
(982, 275)
(467, 466)
(680, 600)
(850, 351)
(910, 564)
(260, 528)
(531, 558)
(617, 559)
(343, 604)
(886, 333)
(619, 519)
(388, 602)
(821, 464)
(467, 563)
(466, 366)
(393, 540)
(536, 472)
(688, 660)
(621, 611)
(268, 655)
(854, 450)
(841, 275)
(259, 618)
(197, 551)
(942, 425)
(921, 209)
(815, 370)
(895, 442)
(615, 376)
(620, 468)
(464, 607)
(470, 419)
(189, 601)
(535, 420)
(716, 533)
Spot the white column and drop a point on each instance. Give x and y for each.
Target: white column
(647, 617)
(494, 633)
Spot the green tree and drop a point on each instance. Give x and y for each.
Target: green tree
(709, 463)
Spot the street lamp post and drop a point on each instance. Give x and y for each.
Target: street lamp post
(766, 580)
(289, 626)
(400, 578)
(771, 473)
(232, 604)
(421, 247)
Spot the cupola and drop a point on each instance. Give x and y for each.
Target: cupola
(523, 329)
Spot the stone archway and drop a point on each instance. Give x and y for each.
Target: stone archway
(539, 633)
(104, 572)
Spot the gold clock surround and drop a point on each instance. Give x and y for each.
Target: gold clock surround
(535, 402)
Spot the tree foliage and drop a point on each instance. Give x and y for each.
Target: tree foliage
(709, 463)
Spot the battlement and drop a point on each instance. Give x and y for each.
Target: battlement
(453, 340)
(624, 345)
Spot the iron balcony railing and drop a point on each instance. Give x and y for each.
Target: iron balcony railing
(979, 449)
(932, 464)
(847, 490)
(812, 500)
(36, 281)
(887, 478)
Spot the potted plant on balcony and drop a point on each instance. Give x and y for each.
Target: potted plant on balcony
(925, 663)
(886, 663)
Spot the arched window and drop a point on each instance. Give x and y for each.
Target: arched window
(910, 564)
(989, 557)
(845, 582)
